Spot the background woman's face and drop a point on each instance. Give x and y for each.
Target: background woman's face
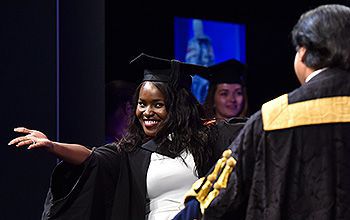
(150, 109)
(228, 100)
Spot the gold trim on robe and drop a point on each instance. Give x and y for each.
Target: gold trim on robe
(278, 114)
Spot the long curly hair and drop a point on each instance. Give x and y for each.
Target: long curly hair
(184, 122)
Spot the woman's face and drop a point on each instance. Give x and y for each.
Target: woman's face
(228, 100)
(150, 109)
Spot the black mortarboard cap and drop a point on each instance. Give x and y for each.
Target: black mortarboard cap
(229, 71)
(176, 73)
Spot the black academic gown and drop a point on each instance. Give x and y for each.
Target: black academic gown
(111, 185)
(293, 157)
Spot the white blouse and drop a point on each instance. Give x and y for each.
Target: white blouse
(167, 182)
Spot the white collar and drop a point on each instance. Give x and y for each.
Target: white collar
(313, 74)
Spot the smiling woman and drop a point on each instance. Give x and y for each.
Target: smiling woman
(145, 174)
(151, 110)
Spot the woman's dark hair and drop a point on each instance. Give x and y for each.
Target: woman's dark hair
(325, 33)
(184, 123)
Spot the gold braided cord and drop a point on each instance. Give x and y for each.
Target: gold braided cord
(223, 179)
(206, 187)
(192, 193)
(221, 183)
(201, 189)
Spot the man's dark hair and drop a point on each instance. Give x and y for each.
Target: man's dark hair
(325, 34)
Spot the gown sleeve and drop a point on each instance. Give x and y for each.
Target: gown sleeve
(85, 191)
(228, 132)
(230, 196)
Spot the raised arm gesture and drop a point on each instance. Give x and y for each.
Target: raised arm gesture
(72, 153)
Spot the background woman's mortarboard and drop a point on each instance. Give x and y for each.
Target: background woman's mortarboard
(229, 71)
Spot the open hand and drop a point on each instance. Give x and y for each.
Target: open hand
(33, 138)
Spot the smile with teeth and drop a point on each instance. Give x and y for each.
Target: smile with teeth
(150, 123)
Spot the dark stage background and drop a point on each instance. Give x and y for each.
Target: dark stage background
(52, 79)
(56, 57)
(148, 28)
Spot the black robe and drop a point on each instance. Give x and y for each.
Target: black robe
(293, 157)
(111, 185)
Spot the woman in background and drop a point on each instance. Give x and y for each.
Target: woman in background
(227, 95)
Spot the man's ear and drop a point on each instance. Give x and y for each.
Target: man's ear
(302, 52)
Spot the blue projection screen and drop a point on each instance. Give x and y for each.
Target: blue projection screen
(205, 42)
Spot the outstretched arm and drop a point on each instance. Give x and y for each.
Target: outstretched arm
(71, 153)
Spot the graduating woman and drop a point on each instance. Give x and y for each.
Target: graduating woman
(145, 174)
